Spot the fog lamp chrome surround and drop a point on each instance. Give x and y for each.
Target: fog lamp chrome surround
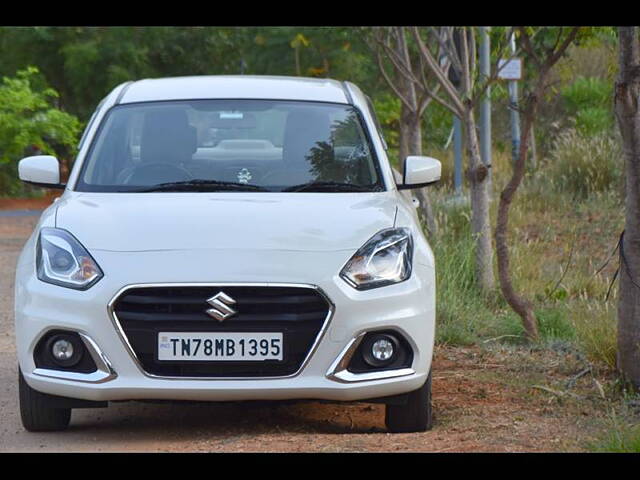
(104, 372)
(338, 370)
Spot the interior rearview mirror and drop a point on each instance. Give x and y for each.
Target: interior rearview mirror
(420, 172)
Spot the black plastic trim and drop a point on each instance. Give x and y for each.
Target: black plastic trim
(56, 186)
(402, 359)
(42, 358)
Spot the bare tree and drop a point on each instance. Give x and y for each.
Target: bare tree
(391, 46)
(543, 59)
(627, 107)
(458, 48)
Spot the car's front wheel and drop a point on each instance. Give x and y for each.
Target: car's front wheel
(39, 411)
(414, 416)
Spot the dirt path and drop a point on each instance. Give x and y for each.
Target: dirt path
(481, 404)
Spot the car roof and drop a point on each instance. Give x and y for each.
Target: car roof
(234, 86)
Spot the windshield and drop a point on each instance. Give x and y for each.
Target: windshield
(234, 145)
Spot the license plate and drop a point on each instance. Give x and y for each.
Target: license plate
(212, 346)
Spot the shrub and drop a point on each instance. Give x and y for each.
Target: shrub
(589, 100)
(587, 92)
(596, 329)
(554, 325)
(583, 165)
(593, 120)
(30, 118)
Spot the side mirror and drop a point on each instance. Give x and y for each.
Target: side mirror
(40, 170)
(420, 172)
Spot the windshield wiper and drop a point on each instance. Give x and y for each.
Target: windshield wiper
(331, 187)
(200, 185)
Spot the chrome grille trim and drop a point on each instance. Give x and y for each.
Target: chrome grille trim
(134, 357)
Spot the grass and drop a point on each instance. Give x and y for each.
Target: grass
(564, 225)
(619, 438)
(560, 235)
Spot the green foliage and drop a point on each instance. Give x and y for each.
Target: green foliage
(387, 109)
(462, 312)
(587, 92)
(620, 439)
(553, 324)
(595, 324)
(594, 120)
(583, 165)
(438, 122)
(28, 117)
(590, 102)
(85, 63)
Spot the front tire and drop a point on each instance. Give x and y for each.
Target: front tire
(415, 416)
(37, 412)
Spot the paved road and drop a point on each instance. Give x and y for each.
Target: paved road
(134, 426)
(20, 213)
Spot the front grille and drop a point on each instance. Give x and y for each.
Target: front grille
(298, 312)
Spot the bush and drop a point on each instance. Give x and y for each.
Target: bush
(29, 118)
(553, 325)
(587, 92)
(596, 331)
(593, 120)
(583, 165)
(589, 101)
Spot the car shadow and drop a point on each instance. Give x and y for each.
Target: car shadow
(182, 419)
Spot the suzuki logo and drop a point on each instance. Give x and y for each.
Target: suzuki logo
(221, 303)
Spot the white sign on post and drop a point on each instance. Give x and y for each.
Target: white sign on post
(510, 69)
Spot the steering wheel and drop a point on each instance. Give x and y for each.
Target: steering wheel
(157, 172)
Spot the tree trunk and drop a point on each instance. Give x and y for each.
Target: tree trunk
(534, 148)
(411, 144)
(627, 96)
(478, 175)
(518, 303)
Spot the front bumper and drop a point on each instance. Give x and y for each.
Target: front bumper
(407, 307)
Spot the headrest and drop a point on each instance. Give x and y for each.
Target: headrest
(305, 129)
(167, 137)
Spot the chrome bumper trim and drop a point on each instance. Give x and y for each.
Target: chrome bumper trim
(338, 371)
(104, 372)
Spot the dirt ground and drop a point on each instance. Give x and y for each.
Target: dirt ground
(485, 400)
(28, 203)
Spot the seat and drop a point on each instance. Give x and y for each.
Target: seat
(307, 145)
(167, 143)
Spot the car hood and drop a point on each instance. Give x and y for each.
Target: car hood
(130, 222)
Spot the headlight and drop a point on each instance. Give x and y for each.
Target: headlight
(63, 261)
(384, 260)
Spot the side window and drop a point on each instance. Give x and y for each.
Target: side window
(376, 121)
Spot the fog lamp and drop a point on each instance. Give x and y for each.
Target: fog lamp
(65, 350)
(62, 349)
(382, 349)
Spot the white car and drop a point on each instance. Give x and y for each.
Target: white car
(227, 238)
